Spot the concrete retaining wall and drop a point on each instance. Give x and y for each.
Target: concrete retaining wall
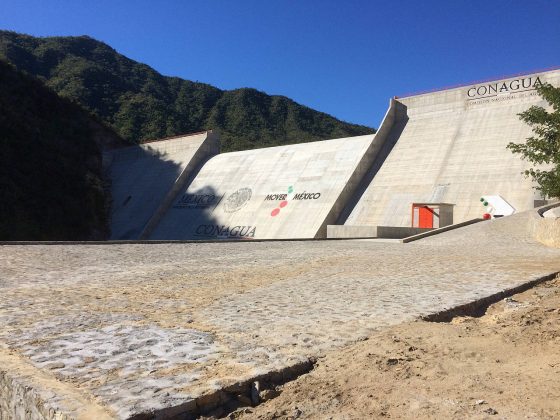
(20, 402)
(545, 229)
(32, 394)
(341, 231)
(387, 232)
(399, 232)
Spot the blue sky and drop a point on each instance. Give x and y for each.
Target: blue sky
(346, 58)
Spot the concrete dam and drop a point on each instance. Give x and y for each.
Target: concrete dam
(445, 149)
(214, 327)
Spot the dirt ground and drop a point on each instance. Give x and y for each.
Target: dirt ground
(504, 364)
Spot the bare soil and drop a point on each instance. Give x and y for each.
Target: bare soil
(504, 364)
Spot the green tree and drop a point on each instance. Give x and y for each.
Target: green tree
(51, 185)
(543, 148)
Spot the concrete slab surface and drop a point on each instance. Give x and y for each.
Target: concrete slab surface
(125, 330)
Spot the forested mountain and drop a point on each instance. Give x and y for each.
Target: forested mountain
(141, 104)
(50, 164)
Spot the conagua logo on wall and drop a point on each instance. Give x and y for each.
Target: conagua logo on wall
(496, 88)
(237, 200)
(225, 232)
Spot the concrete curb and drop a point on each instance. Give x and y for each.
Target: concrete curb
(478, 307)
(190, 241)
(440, 230)
(545, 230)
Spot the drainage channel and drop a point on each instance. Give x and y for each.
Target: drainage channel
(478, 308)
(222, 402)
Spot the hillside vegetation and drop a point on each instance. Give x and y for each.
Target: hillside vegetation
(50, 166)
(141, 104)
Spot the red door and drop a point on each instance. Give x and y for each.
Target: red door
(426, 218)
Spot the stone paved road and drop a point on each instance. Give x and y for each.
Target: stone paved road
(124, 329)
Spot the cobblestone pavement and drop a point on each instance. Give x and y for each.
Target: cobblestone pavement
(136, 328)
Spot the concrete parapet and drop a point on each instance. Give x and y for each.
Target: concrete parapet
(546, 230)
(346, 231)
(553, 213)
(386, 232)
(399, 232)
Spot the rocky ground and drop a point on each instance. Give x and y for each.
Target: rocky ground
(504, 364)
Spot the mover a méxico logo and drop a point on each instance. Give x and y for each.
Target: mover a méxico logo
(283, 198)
(496, 88)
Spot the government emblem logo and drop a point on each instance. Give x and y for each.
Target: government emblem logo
(237, 200)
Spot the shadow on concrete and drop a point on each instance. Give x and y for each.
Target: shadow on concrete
(392, 139)
(190, 216)
(148, 189)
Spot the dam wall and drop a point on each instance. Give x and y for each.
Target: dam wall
(446, 147)
(451, 148)
(284, 192)
(145, 178)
